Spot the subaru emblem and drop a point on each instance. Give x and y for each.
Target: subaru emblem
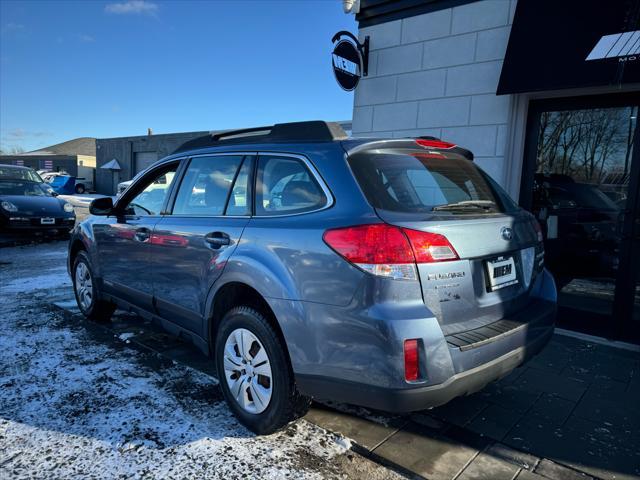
(507, 233)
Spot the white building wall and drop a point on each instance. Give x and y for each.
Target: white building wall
(437, 74)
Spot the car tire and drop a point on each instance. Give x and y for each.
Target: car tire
(86, 291)
(284, 403)
(80, 188)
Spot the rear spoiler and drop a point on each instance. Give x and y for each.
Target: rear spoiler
(429, 144)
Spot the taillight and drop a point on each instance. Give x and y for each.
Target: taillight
(389, 251)
(411, 363)
(434, 143)
(379, 249)
(430, 247)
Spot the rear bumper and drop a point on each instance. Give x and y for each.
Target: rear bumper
(420, 398)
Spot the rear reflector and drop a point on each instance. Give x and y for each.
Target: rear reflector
(389, 251)
(434, 143)
(411, 367)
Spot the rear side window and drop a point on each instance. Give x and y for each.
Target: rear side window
(206, 185)
(418, 182)
(285, 185)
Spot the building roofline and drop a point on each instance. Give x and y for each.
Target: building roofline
(375, 12)
(155, 135)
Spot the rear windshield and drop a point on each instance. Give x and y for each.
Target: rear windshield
(418, 182)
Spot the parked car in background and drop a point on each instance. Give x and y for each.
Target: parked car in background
(70, 184)
(388, 273)
(27, 203)
(584, 239)
(122, 186)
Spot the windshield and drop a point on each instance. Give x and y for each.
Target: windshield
(13, 173)
(22, 188)
(415, 182)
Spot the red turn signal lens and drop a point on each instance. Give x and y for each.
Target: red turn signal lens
(434, 143)
(411, 367)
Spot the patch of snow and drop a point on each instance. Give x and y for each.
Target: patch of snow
(343, 442)
(56, 278)
(74, 405)
(126, 336)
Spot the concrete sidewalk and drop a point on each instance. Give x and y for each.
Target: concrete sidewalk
(571, 413)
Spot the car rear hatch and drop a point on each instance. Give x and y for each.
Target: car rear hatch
(495, 248)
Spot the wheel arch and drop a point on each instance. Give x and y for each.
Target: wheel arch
(76, 246)
(234, 294)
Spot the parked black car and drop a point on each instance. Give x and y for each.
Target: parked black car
(586, 237)
(27, 203)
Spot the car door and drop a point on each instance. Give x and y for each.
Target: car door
(191, 244)
(123, 240)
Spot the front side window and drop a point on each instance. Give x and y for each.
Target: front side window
(151, 198)
(285, 186)
(206, 185)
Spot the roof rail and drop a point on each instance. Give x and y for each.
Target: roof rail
(215, 136)
(311, 131)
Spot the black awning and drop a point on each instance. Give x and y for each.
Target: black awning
(556, 44)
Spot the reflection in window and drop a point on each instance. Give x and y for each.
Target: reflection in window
(206, 185)
(586, 147)
(285, 185)
(239, 198)
(150, 200)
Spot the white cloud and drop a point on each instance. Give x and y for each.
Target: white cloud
(19, 133)
(133, 7)
(86, 38)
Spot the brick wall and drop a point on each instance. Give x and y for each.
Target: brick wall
(437, 74)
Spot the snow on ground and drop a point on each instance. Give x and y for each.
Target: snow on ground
(77, 403)
(56, 277)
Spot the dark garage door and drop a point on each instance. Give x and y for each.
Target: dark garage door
(144, 159)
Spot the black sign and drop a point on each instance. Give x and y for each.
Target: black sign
(572, 43)
(349, 59)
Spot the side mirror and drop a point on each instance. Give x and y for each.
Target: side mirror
(101, 206)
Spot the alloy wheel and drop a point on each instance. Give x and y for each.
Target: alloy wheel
(247, 371)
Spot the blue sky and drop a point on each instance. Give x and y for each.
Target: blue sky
(115, 68)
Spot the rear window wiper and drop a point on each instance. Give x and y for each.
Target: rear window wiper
(467, 205)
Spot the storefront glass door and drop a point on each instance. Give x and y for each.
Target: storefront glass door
(580, 181)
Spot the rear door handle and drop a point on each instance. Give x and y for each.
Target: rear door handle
(217, 239)
(142, 234)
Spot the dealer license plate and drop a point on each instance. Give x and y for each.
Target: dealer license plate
(48, 221)
(501, 272)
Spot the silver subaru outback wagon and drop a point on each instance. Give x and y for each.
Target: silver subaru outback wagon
(392, 274)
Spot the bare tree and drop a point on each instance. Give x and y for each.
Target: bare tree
(11, 150)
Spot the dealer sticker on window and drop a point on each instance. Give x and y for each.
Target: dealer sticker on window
(501, 272)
